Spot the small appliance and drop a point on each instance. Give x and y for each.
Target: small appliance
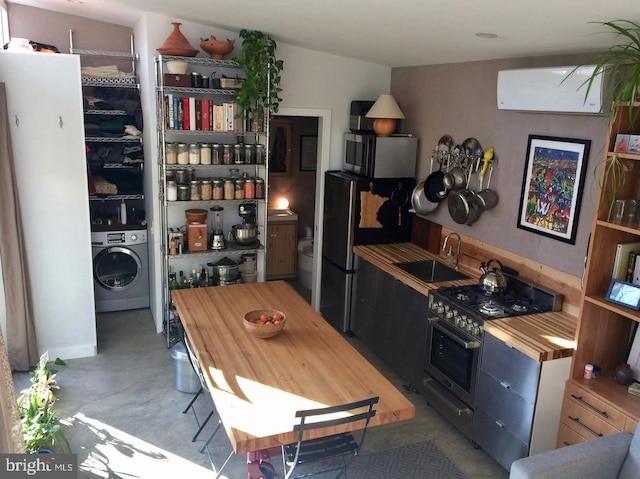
(217, 225)
(247, 212)
(381, 157)
(196, 230)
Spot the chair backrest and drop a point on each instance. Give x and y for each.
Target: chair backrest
(331, 416)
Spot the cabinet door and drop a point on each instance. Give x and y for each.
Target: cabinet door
(412, 334)
(281, 249)
(363, 305)
(385, 342)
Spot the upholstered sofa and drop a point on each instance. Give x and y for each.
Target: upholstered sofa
(614, 456)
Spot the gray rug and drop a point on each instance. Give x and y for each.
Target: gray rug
(416, 461)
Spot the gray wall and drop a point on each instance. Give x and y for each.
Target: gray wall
(460, 100)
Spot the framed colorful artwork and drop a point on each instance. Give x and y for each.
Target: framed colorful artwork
(552, 186)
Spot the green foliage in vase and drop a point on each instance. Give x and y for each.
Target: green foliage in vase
(41, 427)
(621, 64)
(261, 89)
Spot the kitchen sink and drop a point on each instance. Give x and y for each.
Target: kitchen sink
(431, 271)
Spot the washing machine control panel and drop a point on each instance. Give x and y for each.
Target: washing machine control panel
(122, 238)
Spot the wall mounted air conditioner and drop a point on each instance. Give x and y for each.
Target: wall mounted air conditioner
(543, 90)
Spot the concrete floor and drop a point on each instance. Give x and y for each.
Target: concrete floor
(127, 418)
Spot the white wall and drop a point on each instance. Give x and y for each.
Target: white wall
(310, 79)
(51, 177)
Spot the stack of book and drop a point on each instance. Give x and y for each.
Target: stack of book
(626, 266)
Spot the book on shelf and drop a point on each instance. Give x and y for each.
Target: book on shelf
(631, 266)
(621, 262)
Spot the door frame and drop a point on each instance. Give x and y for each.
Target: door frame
(324, 148)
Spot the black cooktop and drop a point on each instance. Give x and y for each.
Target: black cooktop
(519, 298)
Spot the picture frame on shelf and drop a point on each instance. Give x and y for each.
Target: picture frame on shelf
(308, 152)
(552, 185)
(624, 294)
(634, 144)
(622, 143)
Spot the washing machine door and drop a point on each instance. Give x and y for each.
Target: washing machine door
(116, 268)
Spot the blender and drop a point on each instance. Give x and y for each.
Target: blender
(217, 238)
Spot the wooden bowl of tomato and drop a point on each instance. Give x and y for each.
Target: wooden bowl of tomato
(264, 323)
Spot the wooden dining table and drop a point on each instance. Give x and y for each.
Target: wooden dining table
(256, 384)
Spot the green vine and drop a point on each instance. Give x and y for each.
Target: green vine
(261, 89)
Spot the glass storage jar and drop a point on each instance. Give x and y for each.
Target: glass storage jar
(238, 154)
(249, 188)
(194, 154)
(250, 154)
(260, 190)
(183, 154)
(195, 190)
(216, 154)
(260, 154)
(239, 189)
(172, 191)
(206, 189)
(229, 189)
(170, 153)
(183, 192)
(217, 192)
(182, 176)
(227, 154)
(205, 154)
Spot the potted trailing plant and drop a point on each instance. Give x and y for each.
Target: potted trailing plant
(41, 427)
(621, 64)
(259, 94)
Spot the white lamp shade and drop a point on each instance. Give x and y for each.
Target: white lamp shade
(385, 107)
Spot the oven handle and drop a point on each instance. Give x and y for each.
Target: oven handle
(453, 336)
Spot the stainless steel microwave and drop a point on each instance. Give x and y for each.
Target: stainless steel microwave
(381, 157)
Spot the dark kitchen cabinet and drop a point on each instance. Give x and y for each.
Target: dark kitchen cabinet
(390, 317)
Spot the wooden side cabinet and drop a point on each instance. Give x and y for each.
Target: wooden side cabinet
(282, 248)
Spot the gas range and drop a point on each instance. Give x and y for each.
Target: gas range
(466, 308)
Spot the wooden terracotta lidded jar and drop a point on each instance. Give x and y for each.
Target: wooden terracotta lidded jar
(177, 44)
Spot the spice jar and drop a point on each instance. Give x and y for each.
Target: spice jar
(206, 190)
(250, 188)
(227, 154)
(239, 189)
(588, 371)
(216, 154)
(205, 154)
(194, 154)
(229, 189)
(238, 154)
(195, 190)
(250, 154)
(196, 80)
(217, 192)
(172, 191)
(260, 188)
(260, 154)
(183, 192)
(183, 154)
(170, 153)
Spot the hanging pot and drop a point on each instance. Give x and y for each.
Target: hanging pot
(492, 280)
(463, 205)
(421, 205)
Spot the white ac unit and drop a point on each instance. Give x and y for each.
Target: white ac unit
(543, 90)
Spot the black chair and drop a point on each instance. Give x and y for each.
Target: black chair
(205, 391)
(330, 448)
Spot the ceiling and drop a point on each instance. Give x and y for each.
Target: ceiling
(391, 32)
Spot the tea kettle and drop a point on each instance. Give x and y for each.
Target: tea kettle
(492, 281)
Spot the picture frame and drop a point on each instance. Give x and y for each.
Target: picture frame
(308, 152)
(622, 143)
(634, 144)
(624, 294)
(552, 185)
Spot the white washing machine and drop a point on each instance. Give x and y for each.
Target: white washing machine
(120, 270)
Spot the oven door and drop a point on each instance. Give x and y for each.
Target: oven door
(452, 360)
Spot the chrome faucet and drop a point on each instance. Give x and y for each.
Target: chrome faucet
(449, 254)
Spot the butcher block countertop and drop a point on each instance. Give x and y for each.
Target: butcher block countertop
(258, 384)
(542, 337)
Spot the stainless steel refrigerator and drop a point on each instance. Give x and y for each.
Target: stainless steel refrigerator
(357, 211)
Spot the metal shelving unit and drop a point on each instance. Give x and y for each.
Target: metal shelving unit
(170, 210)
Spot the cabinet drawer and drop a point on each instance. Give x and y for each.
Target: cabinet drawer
(630, 425)
(567, 436)
(510, 366)
(595, 405)
(583, 421)
(505, 405)
(497, 441)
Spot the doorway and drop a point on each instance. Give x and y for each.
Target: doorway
(301, 139)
